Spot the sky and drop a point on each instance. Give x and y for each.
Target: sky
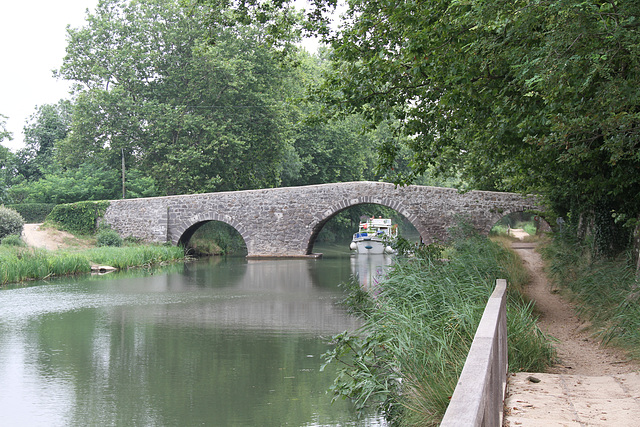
(33, 35)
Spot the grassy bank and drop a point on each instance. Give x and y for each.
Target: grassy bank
(605, 290)
(419, 324)
(18, 263)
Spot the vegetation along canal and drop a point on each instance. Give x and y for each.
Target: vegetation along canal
(219, 342)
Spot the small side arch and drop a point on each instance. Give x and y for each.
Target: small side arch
(511, 218)
(183, 231)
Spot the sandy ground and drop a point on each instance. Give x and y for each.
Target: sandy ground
(518, 233)
(591, 385)
(36, 236)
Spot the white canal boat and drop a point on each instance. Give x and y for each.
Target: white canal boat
(374, 236)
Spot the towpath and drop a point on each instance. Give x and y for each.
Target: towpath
(591, 385)
(37, 236)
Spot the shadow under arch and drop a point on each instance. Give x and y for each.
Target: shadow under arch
(344, 205)
(197, 223)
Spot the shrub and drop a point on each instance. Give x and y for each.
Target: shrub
(11, 222)
(108, 237)
(13, 240)
(132, 240)
(80, 217)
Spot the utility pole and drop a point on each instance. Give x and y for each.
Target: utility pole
(123, 189)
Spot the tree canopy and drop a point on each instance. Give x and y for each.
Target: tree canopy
(503, 89)
(197, 115)
(196, 118)
(514, 95)
(6, 160)
(46, 127)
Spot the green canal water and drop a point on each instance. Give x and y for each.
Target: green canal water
(220, 342)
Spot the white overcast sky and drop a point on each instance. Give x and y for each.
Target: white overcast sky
(33, 41)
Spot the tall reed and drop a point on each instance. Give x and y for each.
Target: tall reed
(134, 256)
(19, 264)
(418, 327)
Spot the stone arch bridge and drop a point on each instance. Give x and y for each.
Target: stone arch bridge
(284, 222)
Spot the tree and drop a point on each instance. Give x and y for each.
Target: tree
(4, 133)
(48, 125)
(195, 117)
(7, 161)
(337, 150)
(85, 182)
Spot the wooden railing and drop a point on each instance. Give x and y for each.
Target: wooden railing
(479, 395)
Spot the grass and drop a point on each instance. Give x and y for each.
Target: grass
(134, 256)
(418, 327)
(606, 290)
(19, 264)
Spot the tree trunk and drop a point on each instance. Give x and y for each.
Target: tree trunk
(636, 247)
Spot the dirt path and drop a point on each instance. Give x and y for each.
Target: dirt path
(589, 386)
(578, 351)
(36, 236)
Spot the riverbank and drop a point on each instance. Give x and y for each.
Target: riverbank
(53, 253)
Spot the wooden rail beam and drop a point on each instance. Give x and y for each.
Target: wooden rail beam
(479, 395)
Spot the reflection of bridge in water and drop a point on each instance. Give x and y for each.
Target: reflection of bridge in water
(276, 295)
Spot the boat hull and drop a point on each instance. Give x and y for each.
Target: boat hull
(371, 246)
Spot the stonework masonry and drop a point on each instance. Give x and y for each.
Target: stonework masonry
(284, 222)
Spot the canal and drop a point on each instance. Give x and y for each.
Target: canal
(218, 342)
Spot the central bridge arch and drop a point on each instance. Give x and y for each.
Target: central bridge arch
(349, 203)
(284, 222)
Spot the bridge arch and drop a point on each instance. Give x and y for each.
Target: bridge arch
(539, 218)
(186, 228)
(345, 204)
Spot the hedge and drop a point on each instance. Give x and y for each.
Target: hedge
(79, 217)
